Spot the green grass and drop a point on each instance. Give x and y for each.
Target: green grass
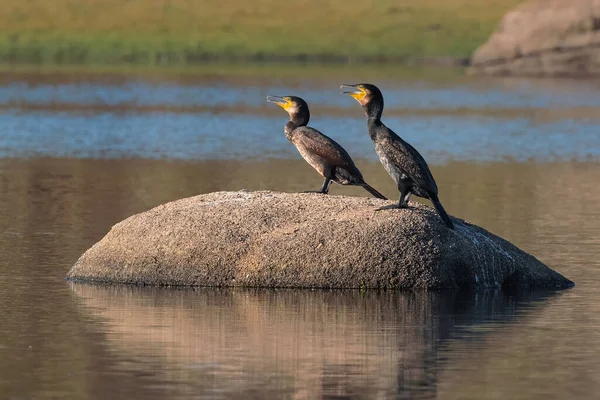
(188, 31)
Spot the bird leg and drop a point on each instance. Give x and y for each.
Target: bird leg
(324, 189)
(402, 202)
(404, 187)
(326, 183)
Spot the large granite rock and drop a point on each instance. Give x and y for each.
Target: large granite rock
(271, 239)
(544, 37)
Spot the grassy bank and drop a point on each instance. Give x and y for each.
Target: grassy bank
(186, 31)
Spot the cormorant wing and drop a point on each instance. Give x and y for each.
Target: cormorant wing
(322, 146)
(408, 159)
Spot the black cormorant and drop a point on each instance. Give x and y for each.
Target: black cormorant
(321, 152)
(402, 161)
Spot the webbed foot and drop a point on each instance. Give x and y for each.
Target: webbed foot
(393, 207)
(388, 207)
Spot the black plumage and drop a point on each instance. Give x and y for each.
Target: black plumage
(324, 154)
(402, 161)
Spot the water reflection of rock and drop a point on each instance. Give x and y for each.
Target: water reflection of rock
(302, 344)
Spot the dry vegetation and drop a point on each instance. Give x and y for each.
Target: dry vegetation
(151, 31)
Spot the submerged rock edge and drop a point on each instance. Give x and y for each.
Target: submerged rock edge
(276, 240)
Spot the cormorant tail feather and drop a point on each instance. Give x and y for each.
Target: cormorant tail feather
(440, 209)
(374, 192)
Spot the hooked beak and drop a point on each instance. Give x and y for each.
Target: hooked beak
(354, 91)
(279, 100)
(275, 99)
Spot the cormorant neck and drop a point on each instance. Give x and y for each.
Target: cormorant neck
(296, 121)
(289, 127)
(300, 119)
(374, 109)
(373, 123)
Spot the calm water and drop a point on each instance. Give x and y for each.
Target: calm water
(518, 157)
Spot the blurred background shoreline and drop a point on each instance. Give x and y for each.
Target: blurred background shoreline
(181, 32)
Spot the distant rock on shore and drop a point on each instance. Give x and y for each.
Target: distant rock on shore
(271, 239)
(544, 37)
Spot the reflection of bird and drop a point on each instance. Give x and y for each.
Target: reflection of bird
(321, 152)
(402, 161)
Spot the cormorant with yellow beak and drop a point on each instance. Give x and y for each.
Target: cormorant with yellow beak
(324, 154)
(402, 161)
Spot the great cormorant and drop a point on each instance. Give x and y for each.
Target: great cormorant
(402, 161)
(324, 154)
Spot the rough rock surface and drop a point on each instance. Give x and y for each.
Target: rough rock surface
(272, 239)
(544, 37)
